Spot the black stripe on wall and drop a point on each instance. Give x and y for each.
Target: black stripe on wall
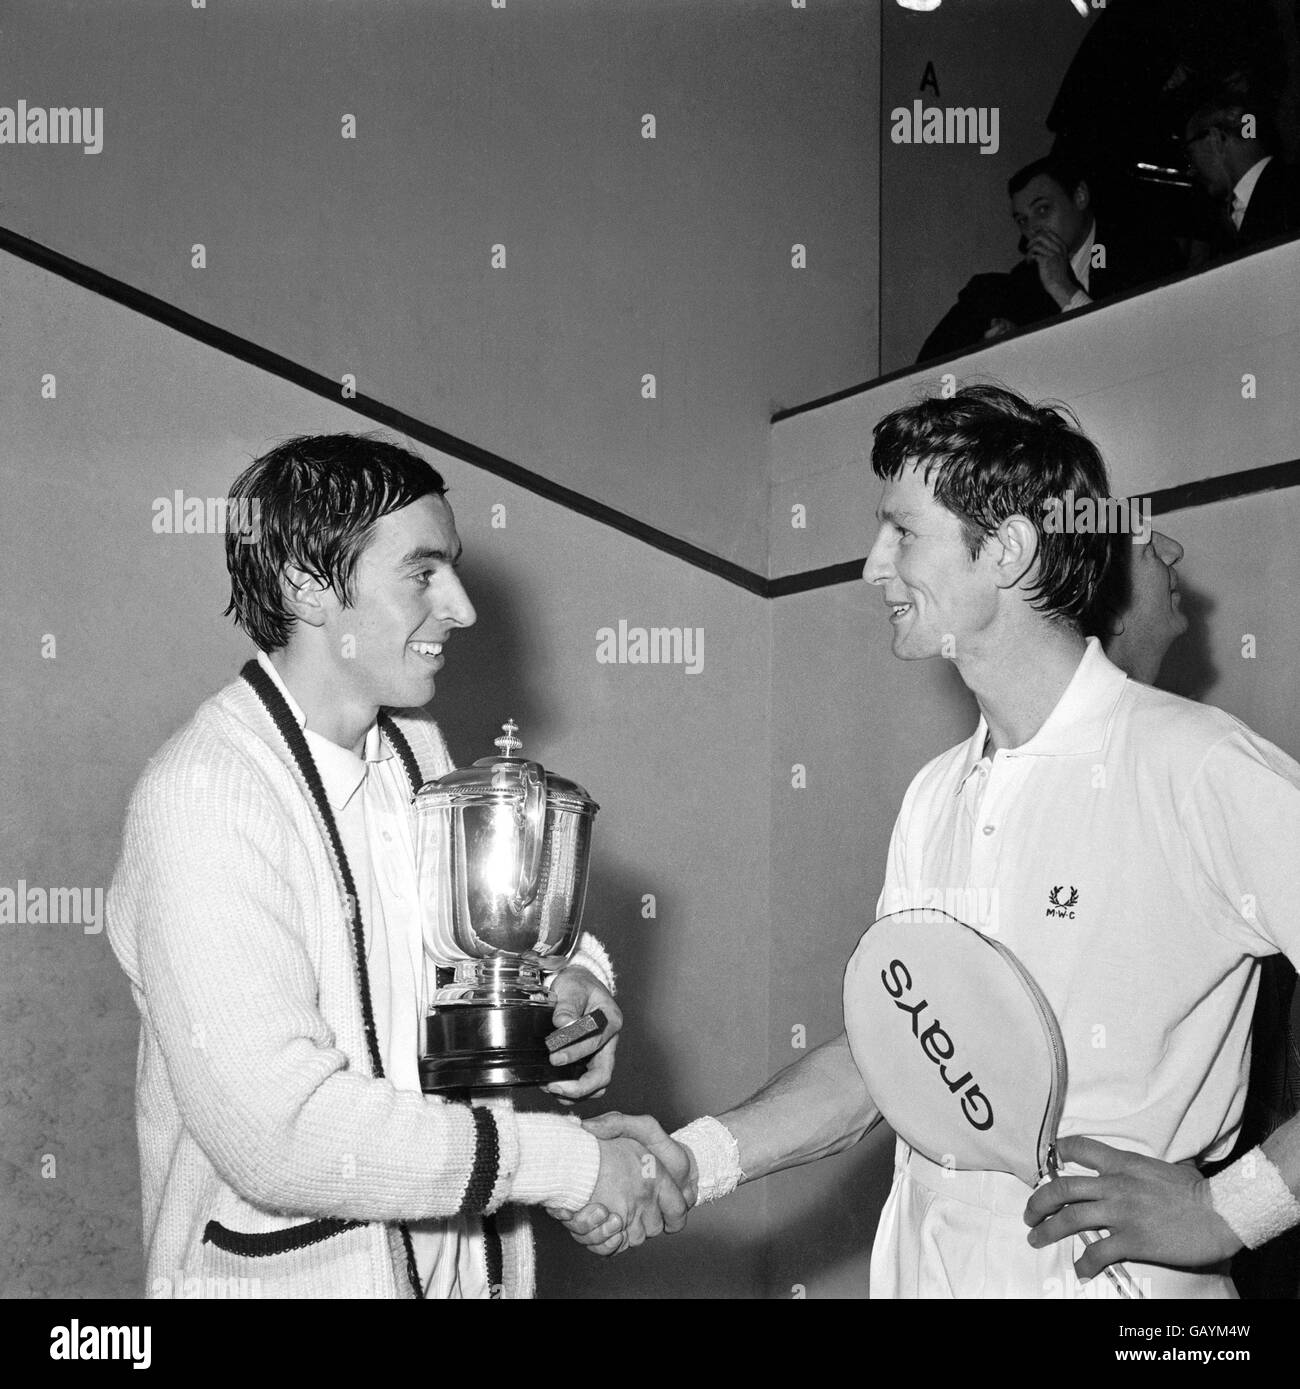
(1247, 483)
(242, 350)
(1191, 494)
(816, 578)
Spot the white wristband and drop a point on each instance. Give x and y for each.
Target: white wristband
(1253, 1199)
(591, 955)
(717, 1157)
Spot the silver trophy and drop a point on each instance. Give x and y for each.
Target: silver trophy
(504, 848)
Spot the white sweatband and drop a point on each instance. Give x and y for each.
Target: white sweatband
(590, 955)
(1253, 1199)
(559, 1162)
(717, 1157)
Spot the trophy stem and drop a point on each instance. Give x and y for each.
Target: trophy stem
(500, 977)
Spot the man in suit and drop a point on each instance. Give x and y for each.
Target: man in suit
(1070, 260)
(1229, 146)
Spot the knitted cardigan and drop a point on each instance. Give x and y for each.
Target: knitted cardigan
(273, 1163)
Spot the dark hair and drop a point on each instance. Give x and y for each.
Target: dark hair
(989, 454)
(1058, 166)
(1220, 101)
(313, 501)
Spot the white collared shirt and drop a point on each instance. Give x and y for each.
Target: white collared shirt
(370, 797)
(1081, 267)
(1245, 187)
(1136, 854)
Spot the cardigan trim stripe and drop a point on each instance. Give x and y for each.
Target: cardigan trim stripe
(273, 702)
(397, 741)
(287, 726)
(494, 1255)
(487, 1162)
(255, 1246)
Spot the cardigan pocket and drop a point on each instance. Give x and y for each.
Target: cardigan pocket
(256, 1246)
(314, 1259)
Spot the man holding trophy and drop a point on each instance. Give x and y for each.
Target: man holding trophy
(274, 912)
(1141, 852)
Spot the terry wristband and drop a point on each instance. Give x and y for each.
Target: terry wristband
(591, 955)
(1253, 1199)
(717, 1157)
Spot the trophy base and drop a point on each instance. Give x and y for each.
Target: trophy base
(484, 1046)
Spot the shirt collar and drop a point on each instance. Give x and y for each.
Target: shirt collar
(1076, 725)
(1081, 260)
(341, 770)
(1245, 187)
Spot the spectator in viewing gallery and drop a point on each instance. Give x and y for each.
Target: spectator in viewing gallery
(1230, 146)
(1072, 258)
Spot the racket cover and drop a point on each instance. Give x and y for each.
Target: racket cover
(957, 1044)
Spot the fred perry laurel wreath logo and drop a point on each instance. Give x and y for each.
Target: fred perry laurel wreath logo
(1061, 908)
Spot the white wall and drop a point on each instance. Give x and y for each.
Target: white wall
(1156, 380)
(479, 126)
(140, 641)
(861, 723)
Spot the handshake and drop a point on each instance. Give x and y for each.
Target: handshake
(646, 1184)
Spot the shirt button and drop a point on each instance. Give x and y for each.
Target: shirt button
(388, 838)
(988, 829)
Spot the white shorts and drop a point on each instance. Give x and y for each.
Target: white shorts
(944, 1233)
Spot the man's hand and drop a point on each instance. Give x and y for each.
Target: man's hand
(1156, 1212)
(1052, 257)
(623, 1214)
(998, 328)
(576, 991)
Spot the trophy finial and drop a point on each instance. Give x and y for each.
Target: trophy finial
(508, 745)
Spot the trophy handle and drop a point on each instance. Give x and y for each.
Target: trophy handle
(533, 811)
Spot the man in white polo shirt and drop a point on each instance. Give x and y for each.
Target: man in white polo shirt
(1135, 850)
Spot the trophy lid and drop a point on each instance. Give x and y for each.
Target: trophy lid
(504, 775)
